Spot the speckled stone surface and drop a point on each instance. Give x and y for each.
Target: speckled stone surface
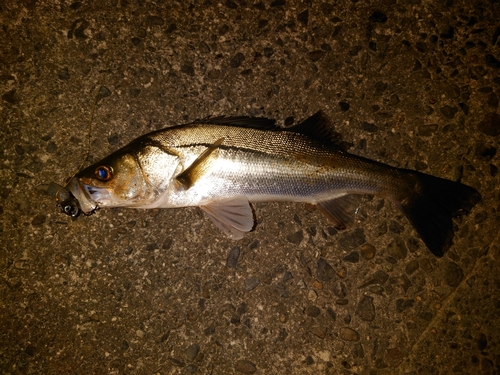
(409, 83)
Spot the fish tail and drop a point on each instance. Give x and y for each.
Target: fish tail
(432, 205)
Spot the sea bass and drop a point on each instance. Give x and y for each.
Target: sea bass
(223, 164)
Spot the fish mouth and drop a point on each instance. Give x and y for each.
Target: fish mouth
(90, 197)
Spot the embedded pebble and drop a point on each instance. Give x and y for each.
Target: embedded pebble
(453, 274)
(493, 100)
(380, 86)
(11, 97)
(395, 353)
(312, 311)
(448, 111)
(192, 351)
(103, 93)
(319, 331)
(113, 139)
(492, 62)
(295, 238)
(369, 127)
(341, 272)
(376, 289)
(357, 351)
(237, 60)
(402, 304)
(233, 256)
(312, 295)
(493, 172)
(482, 341)
(344, 106)
(490, 124)
(317, 285)
(367, 251)
(38, 220)
(413, 244)
(245, 366)
(324, 271)
(139, 333)
(394, 99)
(349, 334)
(426, 265)
(339, 289)
(352, 257)
(22, 264)
(303, 17)
(381, 229)
(378, 16)
(352, 239)
(394, 226)
(176, 362)
(365, 309)
(251, 283)
(287, 276)
(397, 248)
(411, 267)
(316, 55)
(331, 313)
(63, 74)
(227, 308)
(379, 277)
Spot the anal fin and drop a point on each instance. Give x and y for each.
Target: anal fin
(233, 216)
(340, 210)
(188, 177)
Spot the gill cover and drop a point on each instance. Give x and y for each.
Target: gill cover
(114, 182)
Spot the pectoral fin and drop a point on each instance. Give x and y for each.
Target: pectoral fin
(188, 177)
(340, 210)
(232, 216)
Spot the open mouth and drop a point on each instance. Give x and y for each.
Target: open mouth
(89, 197)
(96, 194)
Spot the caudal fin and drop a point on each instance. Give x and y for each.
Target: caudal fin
(433, 205)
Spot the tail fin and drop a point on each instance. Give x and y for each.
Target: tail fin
(433, 205)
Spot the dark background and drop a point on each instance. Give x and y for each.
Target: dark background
(410, 83)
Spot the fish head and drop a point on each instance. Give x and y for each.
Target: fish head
(116, 181)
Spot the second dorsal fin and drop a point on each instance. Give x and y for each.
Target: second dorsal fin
(317, 127)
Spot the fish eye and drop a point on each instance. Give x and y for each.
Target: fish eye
(104, 173)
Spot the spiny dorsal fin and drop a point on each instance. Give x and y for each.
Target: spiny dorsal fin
(317, 127)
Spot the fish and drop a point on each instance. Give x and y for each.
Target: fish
(224, 164)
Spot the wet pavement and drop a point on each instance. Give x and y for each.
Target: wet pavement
(411, 84)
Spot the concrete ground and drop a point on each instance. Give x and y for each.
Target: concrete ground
(409, 83)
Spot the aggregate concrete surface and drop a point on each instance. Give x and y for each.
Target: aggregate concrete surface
(412, 84)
